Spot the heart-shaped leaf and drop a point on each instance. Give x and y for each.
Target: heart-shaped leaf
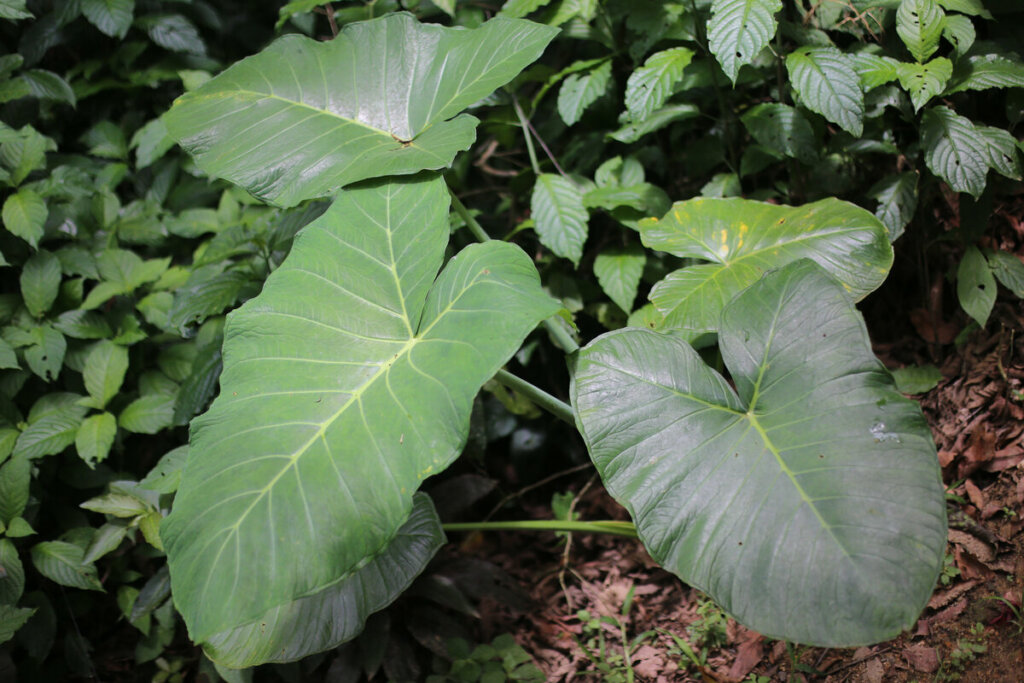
(302, 117)
(338, 613)
(348, 381)
(744, 239)
(813, 483)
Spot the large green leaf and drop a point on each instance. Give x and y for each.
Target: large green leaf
(347, 382)
(650, 85)
(807, 501)
(976, 285)
(925, 81)
(897, 201)
(954, 150)
(981, 72)
(782, 128)
(559, 215)
(919, 25)
(828, 83)
(302, 117)
(338, 613)
(579, 91)
(739, 29)
(743, 239)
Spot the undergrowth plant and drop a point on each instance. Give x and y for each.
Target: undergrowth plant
(725, 389)
(350, 379)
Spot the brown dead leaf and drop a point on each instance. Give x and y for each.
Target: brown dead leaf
(974, 494)
(951, 612)
(748, 655)
(874, 672)
(940, 600)
(981, 448)
(981, 550)
(922, 658)
(932, 328)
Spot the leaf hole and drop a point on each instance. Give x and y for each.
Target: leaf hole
(981, 287)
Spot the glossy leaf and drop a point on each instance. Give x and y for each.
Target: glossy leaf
(767, 496)
(975, 8)
(739, 29)
(51, 432)
(874, 70)
(338, 613)
(112, 17)
(104, 371)
(975, 285)
(897, 201)
(302, 117)
(924, 81)
(954, 150)
(12, 573)
(631, 131)
(148, 414)
(347, 382)
(650, 85)
(783, 129)
(959, 31)
(15, 478)
(743, 239)
(40, 282)
(828, 83)
(981, 72)
(1009, 270)
(559, 215)
(95, 436)
(579, 91)
(618, 271)
(63, 563)
(24, 214)
(919, 25)
(1002, 151)
(917, 379)
(12, 618)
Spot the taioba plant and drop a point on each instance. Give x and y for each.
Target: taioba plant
(802, 492)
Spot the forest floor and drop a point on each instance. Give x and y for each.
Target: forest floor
(972, 629)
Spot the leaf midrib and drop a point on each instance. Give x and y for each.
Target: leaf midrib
(356, 396)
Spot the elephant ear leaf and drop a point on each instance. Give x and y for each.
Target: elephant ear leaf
(743, 239)
(303, 117)
(769, 496)
(347, 381)
(338, 613)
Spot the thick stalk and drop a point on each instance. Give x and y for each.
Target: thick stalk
(610, 527)
(538, 396)
(471, 223)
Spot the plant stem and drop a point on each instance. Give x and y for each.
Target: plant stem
(526, 134)
(541, 398)
(471, 223)
(610, 527)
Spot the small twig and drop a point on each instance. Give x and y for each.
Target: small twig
(327, 9)
(855, 662)
(568, 544)
(526, 489)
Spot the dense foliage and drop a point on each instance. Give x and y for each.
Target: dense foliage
(355, 374)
